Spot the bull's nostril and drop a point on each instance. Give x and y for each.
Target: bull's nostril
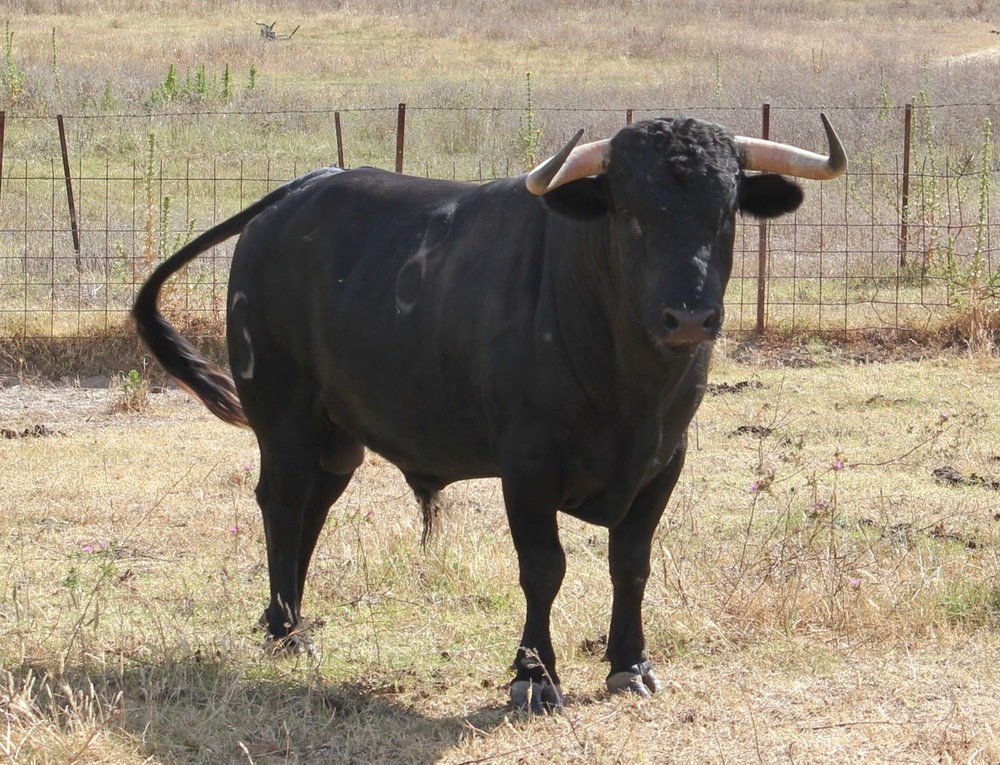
(682, 325)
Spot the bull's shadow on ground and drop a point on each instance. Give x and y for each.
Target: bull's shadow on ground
(209, 710)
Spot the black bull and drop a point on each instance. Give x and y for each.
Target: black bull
(558, 338)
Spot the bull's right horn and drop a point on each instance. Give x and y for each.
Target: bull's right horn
(768, 156)
(571, 163)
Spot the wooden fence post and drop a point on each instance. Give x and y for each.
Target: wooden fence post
(400, 133)
(69, 191)
(761, 326)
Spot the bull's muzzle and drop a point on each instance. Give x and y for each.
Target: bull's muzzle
(683, 326)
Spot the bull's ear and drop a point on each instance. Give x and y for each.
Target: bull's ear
(583, 199)
(768, 196)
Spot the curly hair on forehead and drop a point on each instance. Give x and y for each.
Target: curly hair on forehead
(689, 146)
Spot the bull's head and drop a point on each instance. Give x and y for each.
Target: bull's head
(671, 188)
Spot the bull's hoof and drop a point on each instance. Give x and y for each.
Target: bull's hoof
(296, 644)
(537, 698)
(638, 679)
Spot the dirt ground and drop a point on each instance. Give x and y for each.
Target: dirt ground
(48, 408)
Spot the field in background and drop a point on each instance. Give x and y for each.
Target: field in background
(824, 590)
(176, 119)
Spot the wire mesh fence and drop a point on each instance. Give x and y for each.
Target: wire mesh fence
(903, 242)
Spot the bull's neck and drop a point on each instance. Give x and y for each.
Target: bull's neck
(598, 321)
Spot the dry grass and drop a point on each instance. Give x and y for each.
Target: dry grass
(843, 609)
(727, 56)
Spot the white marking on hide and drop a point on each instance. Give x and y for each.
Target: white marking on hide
(247, 374)
(240, 297)
(410, 279)
(447, 211)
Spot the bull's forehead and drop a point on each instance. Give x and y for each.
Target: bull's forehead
(679, 147)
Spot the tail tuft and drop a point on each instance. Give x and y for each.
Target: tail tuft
(189, 369)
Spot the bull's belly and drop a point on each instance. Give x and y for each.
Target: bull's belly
(440, 466)
(441, 443)
(599, 473)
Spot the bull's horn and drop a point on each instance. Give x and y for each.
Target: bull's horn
(768, 156)
(572, 162)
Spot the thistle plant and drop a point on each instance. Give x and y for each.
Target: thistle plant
(12, 77)
(56, 74)
(981, 283)
(529, 132)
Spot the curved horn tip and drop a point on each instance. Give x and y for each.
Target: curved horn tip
(838, 156)
(561, 155)
(768, 156)
(538, 180)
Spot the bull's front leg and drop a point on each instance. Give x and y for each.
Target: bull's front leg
(542, 565)
(629, 547)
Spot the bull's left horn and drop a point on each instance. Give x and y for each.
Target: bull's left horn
(571, 163)
(768, 156)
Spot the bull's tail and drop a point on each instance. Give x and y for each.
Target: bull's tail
(179, 359)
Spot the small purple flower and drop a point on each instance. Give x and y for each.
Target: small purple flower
(855, 582)
(838, 464)
(88, 548)
(762, 484)
(234, 529)
(819, 508)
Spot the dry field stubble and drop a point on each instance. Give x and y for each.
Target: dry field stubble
(818, 595)
(83, 57)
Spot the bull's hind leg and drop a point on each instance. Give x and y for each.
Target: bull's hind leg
(306, 460)
(306, 463)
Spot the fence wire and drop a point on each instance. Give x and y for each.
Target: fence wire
(853, 258)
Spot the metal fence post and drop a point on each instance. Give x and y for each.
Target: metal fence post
(400, 133)
(3, 131)
(765, 132)
(340, 139)
(904, 213)
(69, 191)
